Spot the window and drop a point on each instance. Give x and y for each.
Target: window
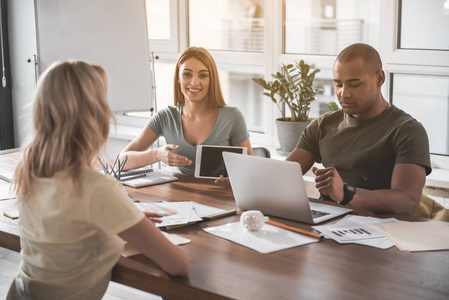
(429, 34)
(328, 26)
(254, 38)
(240, 91)
(317, 31)
(417, 59)
(426, 98)
(158, 20)
(162, 25)
(228, 24)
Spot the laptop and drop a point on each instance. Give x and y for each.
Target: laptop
(275, 188)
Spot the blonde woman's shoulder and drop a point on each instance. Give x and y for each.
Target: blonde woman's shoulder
(95, 177)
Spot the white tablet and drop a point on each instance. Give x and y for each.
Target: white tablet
(209, 160)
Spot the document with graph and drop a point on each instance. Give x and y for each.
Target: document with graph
(358, 230)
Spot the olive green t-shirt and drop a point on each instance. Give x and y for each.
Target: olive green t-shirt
(365, 151)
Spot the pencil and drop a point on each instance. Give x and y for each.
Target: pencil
(119, 170)
(220, 214)
(305, 232)
(114, 174)
(123, 163)
(115, 162)
(104, 168)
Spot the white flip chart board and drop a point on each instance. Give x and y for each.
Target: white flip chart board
(111, 33)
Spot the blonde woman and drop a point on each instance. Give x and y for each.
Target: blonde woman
(199, 116)
(72, 217)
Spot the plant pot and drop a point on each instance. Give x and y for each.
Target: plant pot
(289, 133)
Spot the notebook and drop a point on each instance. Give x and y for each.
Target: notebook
(275, 188)
(147, 179)
(134, 173)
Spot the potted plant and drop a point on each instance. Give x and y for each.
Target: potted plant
(292, 88)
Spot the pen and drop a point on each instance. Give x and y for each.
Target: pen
(104, 168)
(113, 172)
(115, 162)
(165, 228)
(305, 232)
(219, 215)
(123, 163)
(119, 169)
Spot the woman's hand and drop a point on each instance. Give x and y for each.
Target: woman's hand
(166, 155)
(222, 179)
(154, 217)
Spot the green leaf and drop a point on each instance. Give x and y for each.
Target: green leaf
(293, 86)
(333, 106)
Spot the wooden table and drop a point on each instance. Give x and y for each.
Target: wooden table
(221, 269)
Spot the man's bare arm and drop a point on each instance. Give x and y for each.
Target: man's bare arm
(303, 157)
(407, 183)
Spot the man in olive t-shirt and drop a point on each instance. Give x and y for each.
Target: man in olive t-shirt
(375, 156)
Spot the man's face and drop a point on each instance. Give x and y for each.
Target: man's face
(358, 88)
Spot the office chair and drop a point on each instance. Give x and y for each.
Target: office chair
(431, 209)
(261, 151)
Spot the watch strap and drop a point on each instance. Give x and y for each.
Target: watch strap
(349, 192)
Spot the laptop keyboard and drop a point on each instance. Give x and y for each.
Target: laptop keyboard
(317, 213)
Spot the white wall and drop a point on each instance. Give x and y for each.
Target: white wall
(22, 42)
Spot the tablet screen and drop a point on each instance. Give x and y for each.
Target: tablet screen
(209, 160)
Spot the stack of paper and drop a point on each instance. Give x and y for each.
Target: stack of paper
(177, 240)
(181, 213)
(358, 230)
(417, 236)
(173, 213)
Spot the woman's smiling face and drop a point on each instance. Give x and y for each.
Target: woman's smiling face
(194, 80)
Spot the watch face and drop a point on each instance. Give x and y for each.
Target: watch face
(350, 188)
(349, 193)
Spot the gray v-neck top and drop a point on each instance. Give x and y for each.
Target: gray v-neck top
(230, 129)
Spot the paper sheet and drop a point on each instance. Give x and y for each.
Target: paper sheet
(268, 239)
(128, 250)
(357, 224)
(350, 233)
(418, 236)
(174, 213)
(205, 210)
(5, 191)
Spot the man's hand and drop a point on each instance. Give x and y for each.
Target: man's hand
(329, 183)
(166, 155)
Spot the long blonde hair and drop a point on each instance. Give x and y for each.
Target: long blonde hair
(70, 124)
(215, 94)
